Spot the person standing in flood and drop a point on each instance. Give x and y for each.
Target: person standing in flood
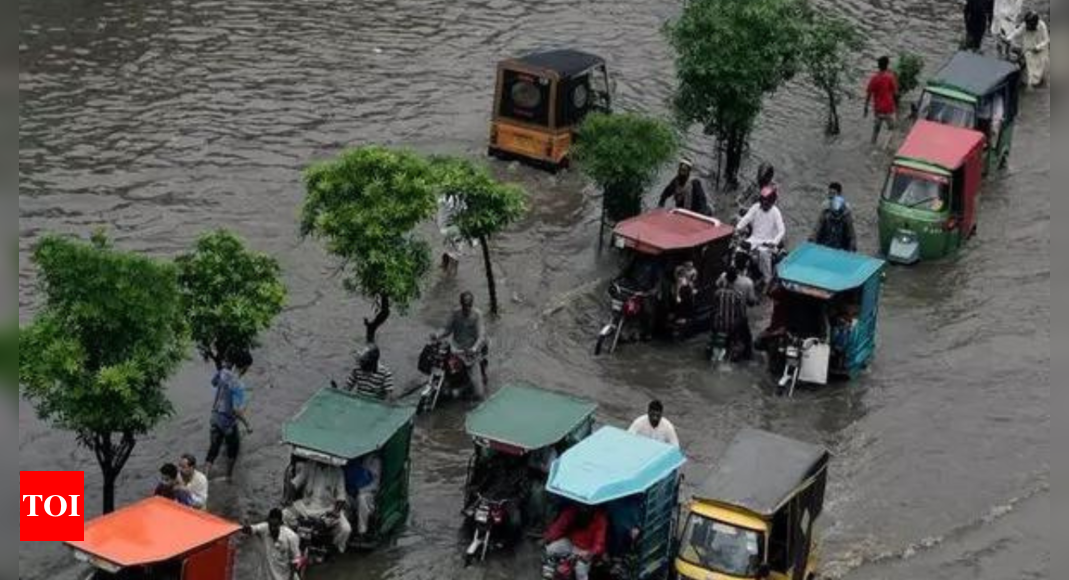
(228, 410)
(978, 17)
(882, 97)
(1035, 42)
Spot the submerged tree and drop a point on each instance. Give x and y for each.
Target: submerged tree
(730, 54)
(229, 294)
(485, 207)
(109, 333)
(623, 153)
(829, 43)
(365, 206)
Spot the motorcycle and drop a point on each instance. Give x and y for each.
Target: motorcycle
(447, 371)
(627, 305)
(316, 541)
(492, 519)
(745, 257)
(792, 350)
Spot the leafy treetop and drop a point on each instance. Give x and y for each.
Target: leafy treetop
(109, 333)
(365, 205)
(487, 205)
(623, 151)
(229, 294)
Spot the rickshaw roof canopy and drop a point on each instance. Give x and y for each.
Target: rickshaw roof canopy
(662, 230)
(761, 470)
(524, 416)
(611, 464)
(565, 62)
(974, 74)
(151, 531)
(345, 425)
(828, 268)
(942, 145)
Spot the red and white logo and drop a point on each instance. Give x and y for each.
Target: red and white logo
(53, 506)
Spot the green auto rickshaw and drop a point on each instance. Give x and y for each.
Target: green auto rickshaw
(929, 202)
(355, 449)
(978, 92)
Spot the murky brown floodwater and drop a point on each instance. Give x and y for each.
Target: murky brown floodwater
(164, 119)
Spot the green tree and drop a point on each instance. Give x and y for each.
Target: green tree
(830, 42)
(486, 207)
(95, 357)
(729, 55)
(622, 154)
(229, 294)
(365, 205)
(908, 69)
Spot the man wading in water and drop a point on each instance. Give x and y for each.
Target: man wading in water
(686, 191)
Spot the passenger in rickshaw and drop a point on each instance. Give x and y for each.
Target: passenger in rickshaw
(322, 496)
(362, 485)
(796, 314)
(768, 230)
(580, 531)
(843, 322)
(731, 317)
(686, 191)
(371, 377)
(685, 280)
(625, 520)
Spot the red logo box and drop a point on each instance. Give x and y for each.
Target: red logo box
(52, 506)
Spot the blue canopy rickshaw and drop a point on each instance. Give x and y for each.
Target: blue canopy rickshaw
(826, 303)
(636, 480)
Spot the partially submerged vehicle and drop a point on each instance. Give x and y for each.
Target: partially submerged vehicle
(636, 481)
(539, 101)
(825, 306)
(654, 295)
(978, 92)
(158, 539)
(518, 433)
(755, 517)
(929, 203)
(339, 429)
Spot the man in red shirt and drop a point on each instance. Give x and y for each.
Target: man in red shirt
(882, 97)
(579, 531)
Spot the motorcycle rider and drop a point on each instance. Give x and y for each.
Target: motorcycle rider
(835, 228)
(768, 229)
(468, 334)
(686, 191)
(580, 531)
(321, 496)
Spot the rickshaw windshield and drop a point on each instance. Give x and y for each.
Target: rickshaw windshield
(722, 547)
(947, 111)
(916, 189)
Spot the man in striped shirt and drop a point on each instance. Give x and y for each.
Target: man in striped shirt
(731, 318)
(371, 377)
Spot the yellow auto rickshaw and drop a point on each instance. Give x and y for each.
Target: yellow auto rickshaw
(754, 518)
(539, 101)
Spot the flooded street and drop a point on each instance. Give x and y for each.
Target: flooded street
(163, 120)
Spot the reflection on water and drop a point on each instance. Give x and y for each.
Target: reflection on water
(165, 119)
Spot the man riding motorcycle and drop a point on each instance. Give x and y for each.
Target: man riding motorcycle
(767, 231)
(468, 334)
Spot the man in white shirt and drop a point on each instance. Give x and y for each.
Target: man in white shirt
(322, 496)
(193, 481)
(281, 548)
(768, 229)
(654, 426)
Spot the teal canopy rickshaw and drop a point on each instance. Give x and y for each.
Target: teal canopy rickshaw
(825, 307)
(636, 481)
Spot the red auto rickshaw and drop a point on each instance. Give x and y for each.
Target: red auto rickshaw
(158, 539)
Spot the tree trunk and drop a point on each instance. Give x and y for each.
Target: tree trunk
(490, 283)
(833, 114)
(736, 145)
(372, 326)
(111, 458)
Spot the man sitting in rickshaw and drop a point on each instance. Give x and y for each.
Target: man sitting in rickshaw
(686, 191)
(686, 278)
(580, 531)
(362, 484)
(322, 496)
